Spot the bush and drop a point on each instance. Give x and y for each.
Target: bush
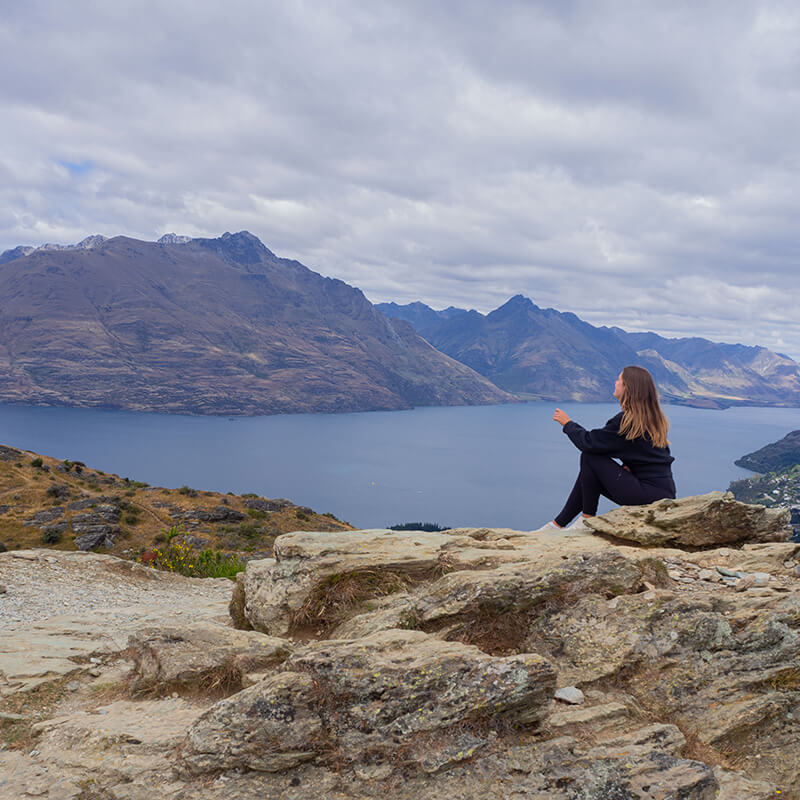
(184, 560)
(60, 492)
(37, 462)
(187, 490)
(51, 535)
(131, 517)
(255, 513)
(249, 530)
(301, 515)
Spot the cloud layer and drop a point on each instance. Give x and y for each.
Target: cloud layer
(633, 163)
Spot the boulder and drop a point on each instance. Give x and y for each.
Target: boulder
(318, 581)
(260, 504)
(43, 518)
(699, 521)
(211, 657)
(395, 693)
(219, 514)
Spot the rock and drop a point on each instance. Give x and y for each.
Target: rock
(698, 521)
(92, 536)
(744, 583)
(260, 504)
(383, 694)
(272, 726)
(3, 588)
(570, 694)
(79, 505)
(211, 657)
(219, 514)
(45, 517)
(603, 713)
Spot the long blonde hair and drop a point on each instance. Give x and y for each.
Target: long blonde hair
(641, 410)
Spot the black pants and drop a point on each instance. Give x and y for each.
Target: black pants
(602, 475)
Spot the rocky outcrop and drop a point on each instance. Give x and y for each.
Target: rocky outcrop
(701, 521)
(471, 663)
(370, 699)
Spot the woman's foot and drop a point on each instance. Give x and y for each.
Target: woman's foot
(551, 526)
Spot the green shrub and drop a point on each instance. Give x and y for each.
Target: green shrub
(184, 560)
(37, 462)
(249, 530)
(174, 531)
(256, 513)
(301, 515)
(131, 517)
(186, 490)
(51, 535)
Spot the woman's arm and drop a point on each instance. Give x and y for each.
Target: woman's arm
(599, 440)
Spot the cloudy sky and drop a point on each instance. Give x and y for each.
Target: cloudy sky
(636, 163)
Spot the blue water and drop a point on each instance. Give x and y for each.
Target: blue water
(500, 466)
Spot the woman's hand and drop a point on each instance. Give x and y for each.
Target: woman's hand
(561, 417)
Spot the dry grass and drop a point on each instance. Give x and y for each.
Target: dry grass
(34, 706)
(498, 634)
(337, 597)
(146, 510)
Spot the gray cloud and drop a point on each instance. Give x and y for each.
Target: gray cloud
(633, 164)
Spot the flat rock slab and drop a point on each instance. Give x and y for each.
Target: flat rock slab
(699, 521)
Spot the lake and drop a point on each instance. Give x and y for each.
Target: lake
(499, 466)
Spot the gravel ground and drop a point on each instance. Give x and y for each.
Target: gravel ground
(39, 584)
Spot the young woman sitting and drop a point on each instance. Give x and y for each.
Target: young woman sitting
(637, 436)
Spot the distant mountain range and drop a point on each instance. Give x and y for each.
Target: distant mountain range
(224, 326)
(219, 326)
(545, 354)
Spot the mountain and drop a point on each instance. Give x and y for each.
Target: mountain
(547, 354)
(220, 326)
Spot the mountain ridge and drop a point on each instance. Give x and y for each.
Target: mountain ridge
(218, 326)
(546, 354)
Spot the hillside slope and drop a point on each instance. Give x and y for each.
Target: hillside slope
(66, 505)
(218, 326)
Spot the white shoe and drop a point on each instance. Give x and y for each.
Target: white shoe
(550, 526)
(578, 525)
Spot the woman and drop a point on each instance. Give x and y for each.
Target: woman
(637, 436)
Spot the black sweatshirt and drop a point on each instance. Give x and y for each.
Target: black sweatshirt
(648, 463)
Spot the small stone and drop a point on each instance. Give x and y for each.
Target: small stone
(570, 694)
(744, 583)
(95, 672)
(727, 573)
(708, 575)
(73, 686)
(674, 574)
(3, 588)
(762, 577)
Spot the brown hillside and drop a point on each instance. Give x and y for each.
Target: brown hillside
(49, 503)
